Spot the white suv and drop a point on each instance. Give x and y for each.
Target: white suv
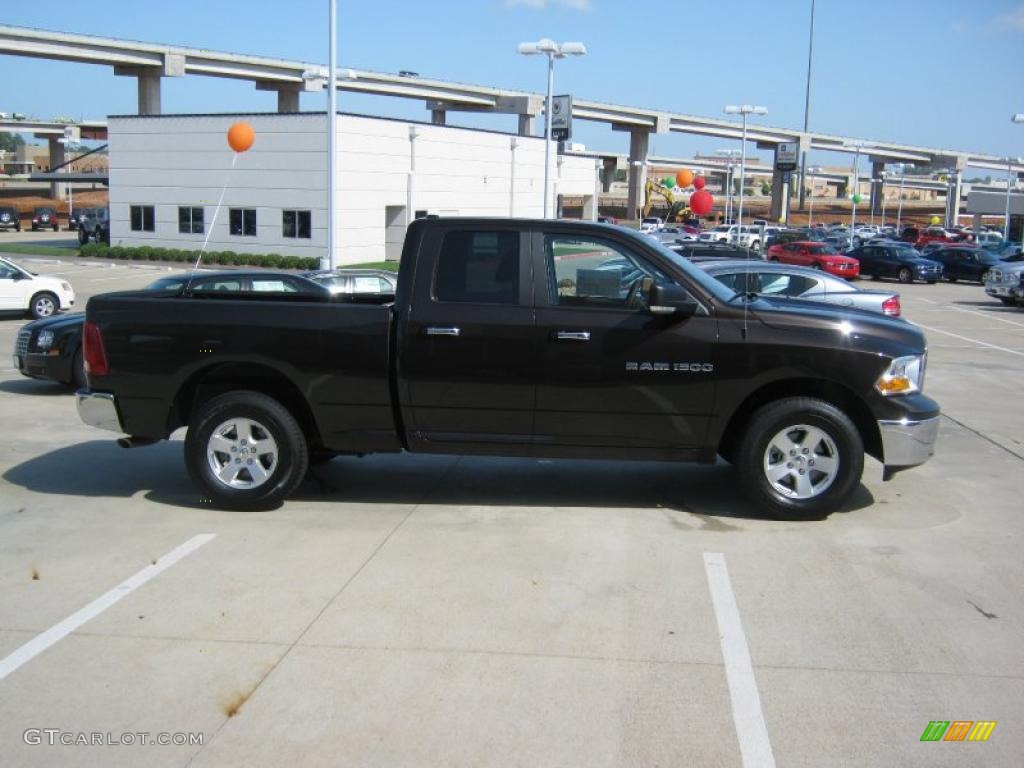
(40, 295)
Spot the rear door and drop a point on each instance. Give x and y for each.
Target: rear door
(612, 377)
(467, 347)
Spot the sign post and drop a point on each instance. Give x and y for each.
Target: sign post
(561, 118)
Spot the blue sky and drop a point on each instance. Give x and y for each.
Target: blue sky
(943, 74)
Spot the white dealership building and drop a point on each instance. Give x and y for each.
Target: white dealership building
(167, 174)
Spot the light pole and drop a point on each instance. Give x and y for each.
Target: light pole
(744, 110)
(881, 191)
(807, 103)
(1018, 119)
(811, 171)
(553, 51)
(731, 154)
(899, 212)
(857, 147)
(1010, 178)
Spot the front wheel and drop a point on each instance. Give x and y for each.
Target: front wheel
(800, 458)
(43, 304)
(984, 276)
(905, 275)
(245, 451)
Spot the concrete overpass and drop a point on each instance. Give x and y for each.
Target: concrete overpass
(150, 62)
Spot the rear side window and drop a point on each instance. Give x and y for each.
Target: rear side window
(478, 267)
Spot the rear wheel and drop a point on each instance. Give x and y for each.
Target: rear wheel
(245, 451)
(984, 276)
(905, 275)
(800, 458)
(83, 236)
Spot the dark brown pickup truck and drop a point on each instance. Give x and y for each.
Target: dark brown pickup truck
(515, 338)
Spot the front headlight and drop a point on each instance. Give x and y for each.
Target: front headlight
(44, 340)
(904, 376)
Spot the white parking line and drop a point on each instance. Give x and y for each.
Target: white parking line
(972, 341)
(987, 316)
(59, 631)
(755, 746)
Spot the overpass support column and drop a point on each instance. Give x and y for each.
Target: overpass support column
(877, 166)
(525, 125)
(149, 94)
(287, 100)
(779, 209)
(56, 159)
(610, 166)
(438, 116)
(639, 145)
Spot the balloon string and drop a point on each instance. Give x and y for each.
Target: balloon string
(209, 230)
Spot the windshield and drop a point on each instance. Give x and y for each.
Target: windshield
(699, 276)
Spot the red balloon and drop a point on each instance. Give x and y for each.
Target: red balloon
(701, 202)
(699, 182)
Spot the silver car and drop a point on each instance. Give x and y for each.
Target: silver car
(1004, 282)
(356, 281)
(783, 280)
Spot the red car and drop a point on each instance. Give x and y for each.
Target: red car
(932, 235)
(816, 255)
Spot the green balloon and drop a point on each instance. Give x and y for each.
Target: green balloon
(856, 199)
(668, 182)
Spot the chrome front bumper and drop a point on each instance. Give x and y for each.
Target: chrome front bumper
(98, 409)
(908, 443)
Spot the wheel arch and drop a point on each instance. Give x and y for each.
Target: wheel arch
(831, 392)
(214, 380)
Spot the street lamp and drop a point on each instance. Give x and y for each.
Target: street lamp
(552, 50)
(881, 191)
(807, 104)
(744, 110)
(899, 212)
(731, 154)
(814, 169)
(1017, 118)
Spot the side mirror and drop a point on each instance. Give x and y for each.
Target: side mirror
(671, 299)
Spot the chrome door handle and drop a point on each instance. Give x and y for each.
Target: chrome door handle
(443, 331)
(572, 335)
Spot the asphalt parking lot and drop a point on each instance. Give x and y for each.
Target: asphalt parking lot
(428, 611)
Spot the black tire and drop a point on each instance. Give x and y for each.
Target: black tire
(816, 265)
(290, 460)
(930, 282)
(43, 304)
(950, 279)
(983, 277)
(797, 412)
(83, 236)
(1007, 302)
(905, 275)
(78, 380)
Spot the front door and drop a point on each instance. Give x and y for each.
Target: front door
(10, 289)
(467, 350)
(612, 376)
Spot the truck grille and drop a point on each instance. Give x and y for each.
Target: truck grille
(21, 345)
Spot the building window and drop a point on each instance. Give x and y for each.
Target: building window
(297, 224)
(243, 221)
(190, 220)
(478, 267)
(142, 218)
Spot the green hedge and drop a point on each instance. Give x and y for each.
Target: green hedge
(221, 258)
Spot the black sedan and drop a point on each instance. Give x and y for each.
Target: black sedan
(51, 348)
(894, 260)
(965, 262)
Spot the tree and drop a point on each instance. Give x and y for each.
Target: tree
(9, 142)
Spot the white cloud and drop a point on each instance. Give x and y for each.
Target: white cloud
(576, 5)
(1013, 19)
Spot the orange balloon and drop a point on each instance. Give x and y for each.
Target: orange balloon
(684, 179)
(241, 136)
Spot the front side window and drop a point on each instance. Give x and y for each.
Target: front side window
(141, 217)
(592, 273)
(478, 267)
(243, 222)
(190, 220)
(296, 224)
